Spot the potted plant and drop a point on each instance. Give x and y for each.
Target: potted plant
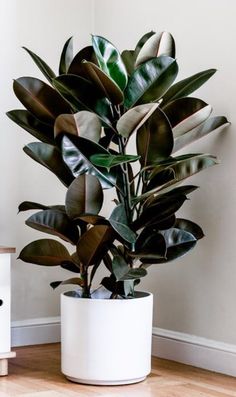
(87, 120)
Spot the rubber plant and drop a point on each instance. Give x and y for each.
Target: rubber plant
(84, 119)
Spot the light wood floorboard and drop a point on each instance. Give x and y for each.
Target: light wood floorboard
(35, 372)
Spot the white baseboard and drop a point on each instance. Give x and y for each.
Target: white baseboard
(35, 331)
(194, 350)
(177, 346)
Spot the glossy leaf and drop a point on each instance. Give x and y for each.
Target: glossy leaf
(43, 67)
(142, 41)
(71, 281)
(87, 54)
(84, 196)
(213, 124)
(178, 243)
(154, 138)
(158, 44)
(185, 114)
(76, 90)
(119, 222)
(134, 118)
(185, 190)
(50, 157)
(185, 87)
(70, 266)
(83, 123)
(150, 81)
(109, 160)
(161, 209)
(150, 245)
(94, 244)
(30, 205)
(80, 93)
(56, 223)
(123, 272)
(128, 57)
(186, 168)
(45, 252)
(104, 84)
(40, 130)
(76, 153)
(190, 227)
(93, 219)
(122, 288)
(180, 171)
(66, 56)
(40, 99)
(110, 61)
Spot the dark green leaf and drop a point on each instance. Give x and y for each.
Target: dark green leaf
(123, 288)
(190, 227)
(73, 281)
(141, 42)
(128, 59)
(82, 95)
(43, 67)
(187, 86)
(178, 243)
(123, 272)
(104, 84)
(109, 160)
(187, 189)
(40, 130)
(150, 81)
(180, 171)
(70, 266)
(87, 53)
(66, 56)
(93, 244)
(76, 154)
(40, 99)
(213, 124)
(176, 240)
(154, 138)
(118, 221)
(110, 61)
(185, 114)
(56, 223)
(30, 205)
(50, 157)
(158, 44)
(45, 252)
(160, 210)
(150, 245)
(84, 196)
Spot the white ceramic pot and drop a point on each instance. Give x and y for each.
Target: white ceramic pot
(106, 341)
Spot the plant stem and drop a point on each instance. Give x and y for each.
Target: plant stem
(126, 183)
(86, 288)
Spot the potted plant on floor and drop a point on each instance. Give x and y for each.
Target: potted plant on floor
(87, 120)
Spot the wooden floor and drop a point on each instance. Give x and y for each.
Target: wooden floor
(35, 372)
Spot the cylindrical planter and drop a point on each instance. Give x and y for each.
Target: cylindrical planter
(106, 341)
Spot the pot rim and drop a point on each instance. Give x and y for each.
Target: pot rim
(140, 295)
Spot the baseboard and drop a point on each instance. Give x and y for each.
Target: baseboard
(35, 331)
(177, 346)
(194, 350)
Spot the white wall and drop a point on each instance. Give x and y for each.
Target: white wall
(198, 293)
(43, 26)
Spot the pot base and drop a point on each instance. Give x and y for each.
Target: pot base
(106, 382)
